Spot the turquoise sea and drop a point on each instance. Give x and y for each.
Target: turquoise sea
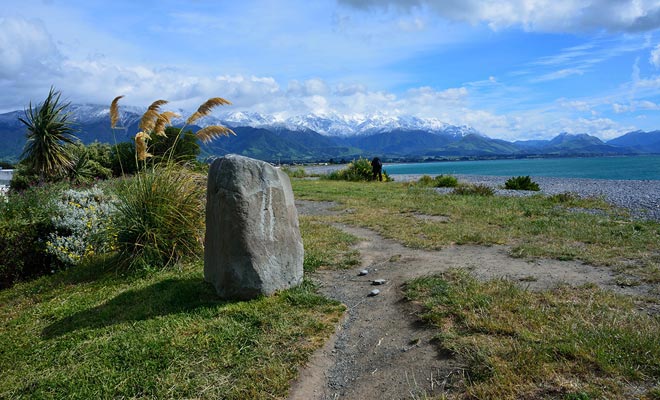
(627, 168)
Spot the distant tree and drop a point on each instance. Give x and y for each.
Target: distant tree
(186, 147)
(49, 129)
(122, 159)
(90, 163)
(6, 165)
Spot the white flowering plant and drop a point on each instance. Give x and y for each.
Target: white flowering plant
(82, 226)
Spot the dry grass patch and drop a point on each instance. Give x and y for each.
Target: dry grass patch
(570, 343)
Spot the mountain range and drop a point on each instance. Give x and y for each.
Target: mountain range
(334, 137)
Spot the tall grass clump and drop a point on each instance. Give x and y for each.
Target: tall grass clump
(473, 190)
(521, 183)
(358, 170)
(160, 217)
(160, 210)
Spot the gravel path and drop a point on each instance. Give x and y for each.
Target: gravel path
(642, 198)
(380, 350)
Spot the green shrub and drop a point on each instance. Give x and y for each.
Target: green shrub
(294, 173)
(25, 224)
(160, 217)
(438, 181)
(23, 178)
(90, 163)
(445, 181)
(521, 183)
(474, 190)
(357, 170)
(425, 180)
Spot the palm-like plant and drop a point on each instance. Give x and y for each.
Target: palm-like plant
(49, 129)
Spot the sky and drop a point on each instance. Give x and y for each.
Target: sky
(512, 69)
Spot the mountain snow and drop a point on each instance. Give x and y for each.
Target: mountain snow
(330, 124)
(342, 125)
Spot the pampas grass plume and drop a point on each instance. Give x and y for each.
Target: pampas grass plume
(155, 106)
(149, 118)
(141, 145)
(211, 132)
(114, 112)
(162, 121)
(206, 108)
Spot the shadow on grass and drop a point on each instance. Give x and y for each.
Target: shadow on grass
(171, 296)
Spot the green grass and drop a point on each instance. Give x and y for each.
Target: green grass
(570, 343)
(88, 333)
(534, 227)
(326, 247)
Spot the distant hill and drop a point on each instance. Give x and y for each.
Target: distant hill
(321, 138)
(567, 144)
(647, 142)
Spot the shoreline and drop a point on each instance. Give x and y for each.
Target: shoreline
(640, 197)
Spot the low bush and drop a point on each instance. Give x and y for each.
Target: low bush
(474, 190)
(294, 173)
(357, 170)
(23, 178)
(438, 181)
(25, 224)
(521, 183)
(445, 181)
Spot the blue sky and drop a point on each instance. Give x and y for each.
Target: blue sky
(513, 69)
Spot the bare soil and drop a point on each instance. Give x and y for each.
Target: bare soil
(381, 350)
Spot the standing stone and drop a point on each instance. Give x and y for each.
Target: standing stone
(253, 244)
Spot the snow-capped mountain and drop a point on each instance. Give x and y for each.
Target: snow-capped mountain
(331, 124)
(313, 137)
(342, 125)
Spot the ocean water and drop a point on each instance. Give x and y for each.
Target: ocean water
(626, 168)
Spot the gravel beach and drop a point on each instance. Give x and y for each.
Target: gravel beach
(642, 198)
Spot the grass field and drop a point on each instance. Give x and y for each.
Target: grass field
(92, 332)
(562, 227)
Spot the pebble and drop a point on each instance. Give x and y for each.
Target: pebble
(639, 196)
(363, 272)
(374, 292)
(378, 282)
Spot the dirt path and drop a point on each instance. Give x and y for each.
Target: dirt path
(380, 351)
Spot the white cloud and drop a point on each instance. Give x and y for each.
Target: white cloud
(635, 106)
(26, 49)
(577, 105)
(536, 15)
(309, 87)
(655, 56)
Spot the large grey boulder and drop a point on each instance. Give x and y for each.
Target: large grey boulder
(253, 244)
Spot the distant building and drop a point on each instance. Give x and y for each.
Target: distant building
(5, 176)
